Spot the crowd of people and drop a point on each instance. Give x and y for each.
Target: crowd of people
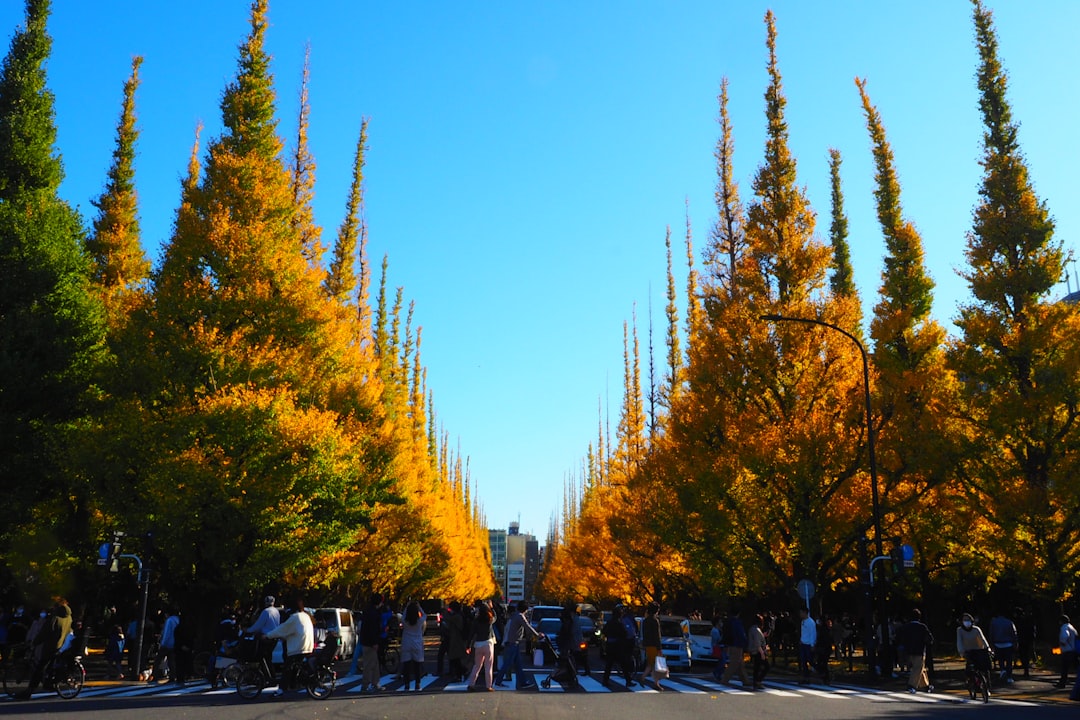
(483, 644)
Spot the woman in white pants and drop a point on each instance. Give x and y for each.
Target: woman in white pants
(483, 647)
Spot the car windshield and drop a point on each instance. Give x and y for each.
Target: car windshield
(700, 628)
(549, 626)
(670, 628)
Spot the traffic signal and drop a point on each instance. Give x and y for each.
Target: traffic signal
(109, 552)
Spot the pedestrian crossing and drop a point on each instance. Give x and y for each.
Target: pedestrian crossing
(352, 686)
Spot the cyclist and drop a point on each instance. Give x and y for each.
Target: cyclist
(298, 635)
(972, 646)
(47, 644)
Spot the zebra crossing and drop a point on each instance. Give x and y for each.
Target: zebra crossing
(352, 686)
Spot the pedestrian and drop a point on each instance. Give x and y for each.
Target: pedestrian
(631, 639)
(444, 640)
(580, 647)
(807, 643)
(455, 631)
(1003, 637)
(226, 635)
(650, 640)
(755, 645)
(165, 662)
(734, 637)
(914, 639)
(412, 644)
(1067, 644)
(1026, 631)
(114, 652)
(716, 639)
(268, 619)
(517, 627)
(823, 648)
(370, 631)
(184, 649)
(483, 648)
(50, 636)
(615, 647)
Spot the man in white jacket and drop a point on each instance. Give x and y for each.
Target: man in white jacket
(298, 635)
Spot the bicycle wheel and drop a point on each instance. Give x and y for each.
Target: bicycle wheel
(17, 676)
(985, 682)
(201, 664)
(69, 681)
(393, 659)
(231, 674)
(321, 683)
(250, 683)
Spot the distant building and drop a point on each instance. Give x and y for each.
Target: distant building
(497, 542)
(515, 560)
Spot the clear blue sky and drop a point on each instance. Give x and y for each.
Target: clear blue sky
(525, 159)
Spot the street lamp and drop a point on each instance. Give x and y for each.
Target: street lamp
(870, 446)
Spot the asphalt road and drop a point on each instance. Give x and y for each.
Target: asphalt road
(690, 696)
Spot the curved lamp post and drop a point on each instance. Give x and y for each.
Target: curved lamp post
(870, 446)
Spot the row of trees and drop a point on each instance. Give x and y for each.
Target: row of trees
(245, 410)
(746, 467)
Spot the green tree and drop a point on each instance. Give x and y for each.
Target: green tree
(51, 325)
(842, 281)
(1019, 359)
(265, 460)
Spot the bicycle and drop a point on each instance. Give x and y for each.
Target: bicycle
(306, 671)
(390, 657)
(978, 679)
(65, 674)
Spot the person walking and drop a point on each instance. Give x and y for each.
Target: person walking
(165, 662)
(807, 643)
(370, 632)
(914, 638)
(1003, 637)
(412, 644)
(716, 640)
(759, 657)
(455, 633)
(114, 652)
(483, 648)
(650, 640)
(615, 647)
(517, 627)
(734, 637)
(1067, 644)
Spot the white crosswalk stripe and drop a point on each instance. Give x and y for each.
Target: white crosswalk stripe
(682, 684)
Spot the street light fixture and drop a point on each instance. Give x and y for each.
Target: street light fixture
(870, 446)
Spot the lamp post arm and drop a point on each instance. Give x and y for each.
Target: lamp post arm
(869, 417)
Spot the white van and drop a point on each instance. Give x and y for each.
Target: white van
(341, 621)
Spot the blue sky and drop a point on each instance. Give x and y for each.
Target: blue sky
(525, 158)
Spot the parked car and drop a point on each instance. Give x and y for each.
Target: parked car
(701, 641)
(433, 610)
(341, 621)
(674, 640)
(541, 612)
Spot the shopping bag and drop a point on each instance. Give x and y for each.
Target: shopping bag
(660, 668)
